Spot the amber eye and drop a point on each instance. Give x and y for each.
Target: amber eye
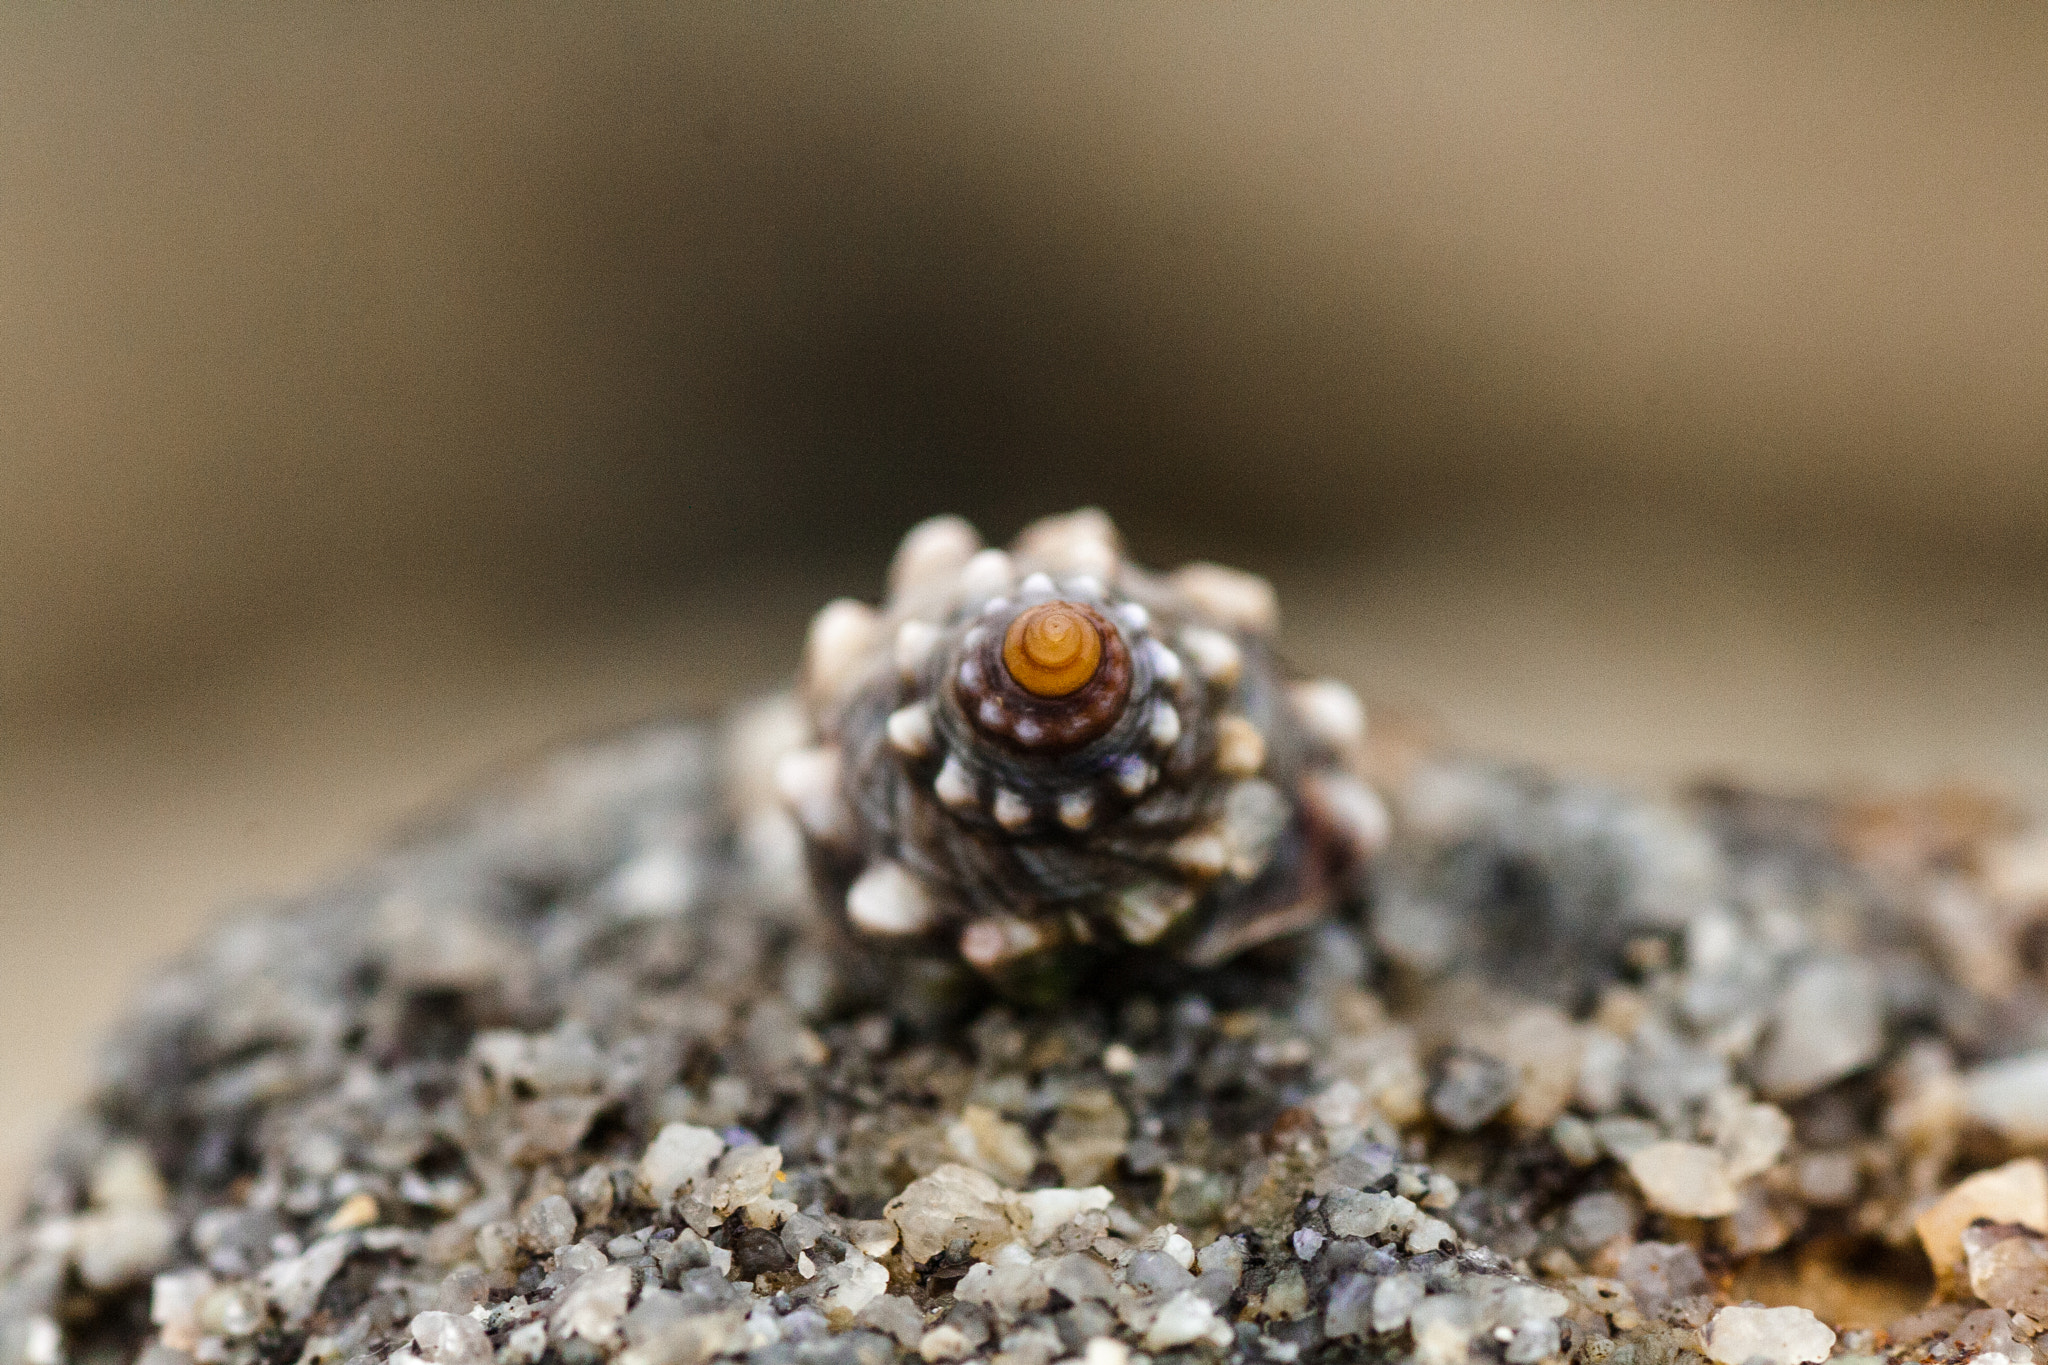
(1052, 650)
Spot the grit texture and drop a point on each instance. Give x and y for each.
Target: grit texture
(581, 1074)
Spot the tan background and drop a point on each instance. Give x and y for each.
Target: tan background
(386, 390)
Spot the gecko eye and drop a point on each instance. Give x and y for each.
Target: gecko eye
(1052, 650)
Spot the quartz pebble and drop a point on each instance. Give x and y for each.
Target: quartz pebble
(953, 1202)
(450, 1339)
(2011, 1097)
(1684, 1178)
(1780, 1336)
(680, 1154)
(2016, 1192)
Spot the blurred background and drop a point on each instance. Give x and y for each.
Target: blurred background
(388, 390)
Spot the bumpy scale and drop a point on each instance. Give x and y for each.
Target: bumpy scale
(1030, 754)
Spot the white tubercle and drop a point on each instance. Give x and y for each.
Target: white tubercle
(1331, 713)
(987, 574)
(885, 899)
(1010, 811)
(1216, 656)
(1133, 616)
(1255, 815)
(1133, 775)
(1165, 663)
(1201, 852)
(1077, 542)
(1240, 748)
(1164, 725)
(1145, 912)
(808, 782)
(1036, 587)
(1085, 587)
(1077, 809)
(1353, 807)
(932, 554)
(954, 785)
(842, 635)
(990, 943)
(910, 730)
(914, 643)
(1240, 600)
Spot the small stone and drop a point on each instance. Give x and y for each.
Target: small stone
(952, 1202)
(1348, 1313)
(1471, 1090)
(1088, 1137)
(1443, 1327)
(359, 1210)
(1155, 1272)
(1829, 1022)
(1369, 1214)
(174, 1300)
(120, 1246)
(594, 1305)
(985, 1140)
(1987, 1334)
(757, 1252)
(1006, 1286)
(742, 1177)
(126, 1178)
(526, 1344)
(1184, 1319)
(1826, 1179)
(1659, 1274)
(1287, 1297)
(1574, 1140)
(2010, 1097)
(1429, 1235)
(1750, 1137)
(462, 1289)
(680, 1154)
(1621, 1136)
(1080, 1277)
(851, 1286)
(1307, 1243)
(1779, 1336)
(2008, 1268)
(893, 1316)
(1039, 1214)
(873, 1236)
(1105, 1351)
(232, 1310)
(1393, 1299)
(1593, 1220)
(1220, 1267)
(1534, 1340)
(1361, 1168)
(550, 1223)
(450, 1339)
(1683, 1178)
(944, 1342)
(295, 1283)
(2016, 1192)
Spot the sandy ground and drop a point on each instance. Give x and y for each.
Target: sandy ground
(1646, 657)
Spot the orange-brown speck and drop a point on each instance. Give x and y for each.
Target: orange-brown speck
(1052, 650)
